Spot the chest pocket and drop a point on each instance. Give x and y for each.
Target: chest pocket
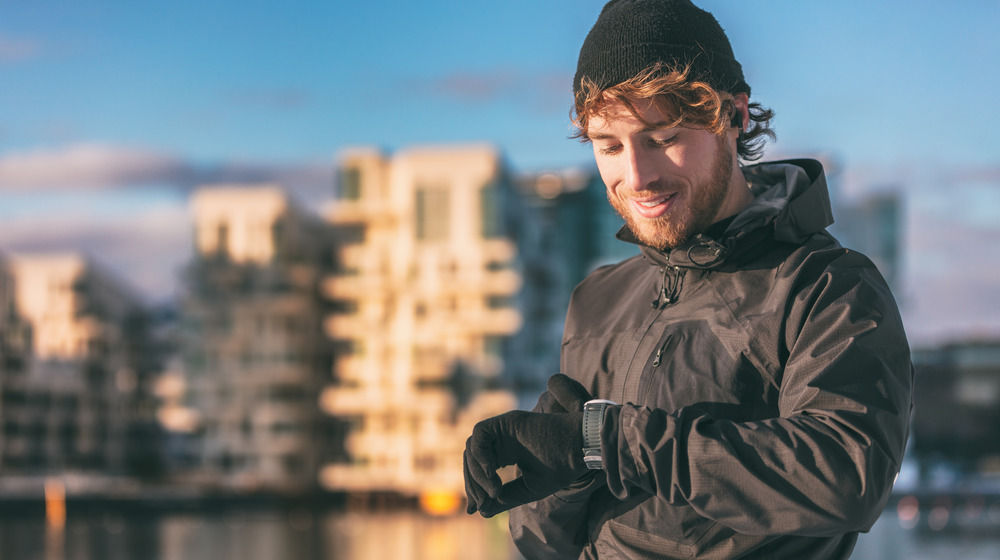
(599, 361)
(691, 367)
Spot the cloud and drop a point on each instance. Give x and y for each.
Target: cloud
(952, 268)
(126, 207)
(14, 49)
(943, 308)
(988, 173)
(97, 167)
(146, 249)
(87, 166)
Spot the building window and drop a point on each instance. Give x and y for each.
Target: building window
(287, 394)
(278, 238)
(350, 183)
(343, 306)
(350, 234)
(494, 346)
(432, 207)
(425, 462)
(498, 266)
(490, 211)
(347, 347)
(287, 428)
(221, 240)
(499, 302)
(294, 465)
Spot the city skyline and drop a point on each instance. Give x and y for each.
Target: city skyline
(111, 114)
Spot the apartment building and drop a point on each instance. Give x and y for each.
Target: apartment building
(957, 405)
(15, 340)
(254, 353)
(426, 311)
(74, 390)
(873, 224)
(573, 233)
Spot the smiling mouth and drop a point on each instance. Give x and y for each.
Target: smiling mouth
(656, 201)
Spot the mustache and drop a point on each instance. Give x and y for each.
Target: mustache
(660, 186)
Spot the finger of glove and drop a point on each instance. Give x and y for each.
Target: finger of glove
(481, 461)
(568, 392)
(473, 493)
(514, 493)
(548, 403)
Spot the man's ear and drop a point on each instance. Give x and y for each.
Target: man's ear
(737, 120)
(741, 112)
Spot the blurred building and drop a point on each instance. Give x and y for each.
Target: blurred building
(254, 354)
(77, 400)
(573, 233)
(871, 222)
(873, 225)
(15, 349)
(957, 405)
(426, 312)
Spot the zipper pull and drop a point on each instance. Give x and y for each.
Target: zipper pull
(659, 353)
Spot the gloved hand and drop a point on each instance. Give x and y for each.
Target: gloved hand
(565, 394)
(547, 448)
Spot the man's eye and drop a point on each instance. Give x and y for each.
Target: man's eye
(662, 142)
(610, 150)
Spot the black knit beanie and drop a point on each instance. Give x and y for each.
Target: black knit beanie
(632, 35)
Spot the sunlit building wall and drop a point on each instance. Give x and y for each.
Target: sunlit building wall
(79, 404)
(426, 303)
(254, 356)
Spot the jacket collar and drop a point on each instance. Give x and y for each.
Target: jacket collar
(791, 202)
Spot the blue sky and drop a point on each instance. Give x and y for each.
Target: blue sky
(112, 111)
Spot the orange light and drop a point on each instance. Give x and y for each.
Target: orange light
(55, 503)
(440, 502)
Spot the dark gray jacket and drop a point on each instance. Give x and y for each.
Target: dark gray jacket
(767, 383)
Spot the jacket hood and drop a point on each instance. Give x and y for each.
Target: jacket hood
(791, 202)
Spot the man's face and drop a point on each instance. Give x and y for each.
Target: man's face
(667, 183)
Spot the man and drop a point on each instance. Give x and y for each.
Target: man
(753, 376)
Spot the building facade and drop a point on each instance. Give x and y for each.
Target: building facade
(874, 226)
(426, 304)
(573, 232)
(78, 402)
(254, 355)
(15, 350)
(957, 405)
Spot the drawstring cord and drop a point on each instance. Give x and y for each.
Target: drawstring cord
(670, 286)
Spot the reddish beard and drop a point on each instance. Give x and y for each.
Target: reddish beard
(701, 206)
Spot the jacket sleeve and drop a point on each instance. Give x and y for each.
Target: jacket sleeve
(826, 464)
(555, 526)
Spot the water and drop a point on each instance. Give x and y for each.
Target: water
(300, 534)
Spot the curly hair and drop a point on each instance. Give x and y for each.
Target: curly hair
(690, 103)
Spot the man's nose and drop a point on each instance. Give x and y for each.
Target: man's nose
(642, 170)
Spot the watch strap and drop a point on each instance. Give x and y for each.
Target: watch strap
(593, 420)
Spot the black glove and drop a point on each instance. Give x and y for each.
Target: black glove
(565, 394)
(547, 448)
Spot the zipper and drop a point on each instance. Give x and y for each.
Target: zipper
(659, 352)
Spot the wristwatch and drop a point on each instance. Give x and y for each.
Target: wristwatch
(593, 419)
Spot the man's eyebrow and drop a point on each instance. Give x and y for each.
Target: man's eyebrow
(660, 125)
